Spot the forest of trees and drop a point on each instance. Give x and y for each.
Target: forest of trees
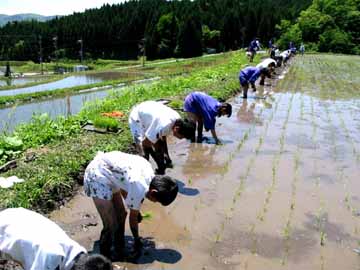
(163, 28)
(326, 26)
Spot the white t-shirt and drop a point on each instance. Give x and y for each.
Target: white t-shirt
(285, 54)
(119, 170)
(265, 63)
(156, 119)
(36, 242)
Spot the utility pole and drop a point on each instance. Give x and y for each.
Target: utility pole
(81, 50)
(142, 47)
(55, 53)
(41, 55)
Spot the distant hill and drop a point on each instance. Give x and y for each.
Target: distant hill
(4, 19)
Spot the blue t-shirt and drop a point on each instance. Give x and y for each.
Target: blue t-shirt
(253, 45)
(204, 105)
(249, 74)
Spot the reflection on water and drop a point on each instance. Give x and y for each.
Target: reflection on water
(71, 81)
(247, 113)
(21, 81)
(11, 117)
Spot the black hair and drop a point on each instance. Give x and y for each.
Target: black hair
(92, 262)
(167, 189)
(272, 64)
(266, 72)
(186, 128)
(228, 108)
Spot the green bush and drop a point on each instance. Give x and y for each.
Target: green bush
(335, 40)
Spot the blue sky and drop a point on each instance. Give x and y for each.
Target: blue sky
(50, 7)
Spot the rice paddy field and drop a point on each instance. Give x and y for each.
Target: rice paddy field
(282, 192)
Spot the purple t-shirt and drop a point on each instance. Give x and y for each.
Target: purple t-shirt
(204, 105)
(249, 74)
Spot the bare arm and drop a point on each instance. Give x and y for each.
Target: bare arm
(200, 126)
(134, 224)
(213, 133)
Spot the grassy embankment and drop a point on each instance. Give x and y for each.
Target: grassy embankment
(152, 69)
(62, 149)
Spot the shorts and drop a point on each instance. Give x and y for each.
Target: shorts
(243, 80)
(189, 104)
(97, 182)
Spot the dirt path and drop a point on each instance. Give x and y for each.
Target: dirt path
(280, 193)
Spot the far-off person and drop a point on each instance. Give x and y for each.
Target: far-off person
(269, 64)
(37, 243)
(249, 75)
(253, 47)
(302, 49)
(115, 178)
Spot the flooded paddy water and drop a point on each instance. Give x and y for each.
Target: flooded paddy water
(282, 192)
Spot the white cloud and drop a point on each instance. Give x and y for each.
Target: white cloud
(50, 7)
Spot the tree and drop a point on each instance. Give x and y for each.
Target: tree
(335, 40)
(189, 42)
(211, 38)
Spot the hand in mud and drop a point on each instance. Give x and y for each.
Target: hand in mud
(218, 142)
(199, 139)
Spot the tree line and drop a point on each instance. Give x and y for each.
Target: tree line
(157, 28)
(325, 26)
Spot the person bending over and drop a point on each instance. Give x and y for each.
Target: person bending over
(203, 110)
(249, 75)
(150, 123)
(115, 178)
(268, 63)
(37, 243)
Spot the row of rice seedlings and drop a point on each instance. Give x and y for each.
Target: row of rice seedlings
(238, 192)
(333, 132)
(228, 213)
(317, 184)
(341, 177)
(226, 166)
(287, 228)
(348, 137)
(275, 164)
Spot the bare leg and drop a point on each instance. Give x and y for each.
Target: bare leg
(159, 156)
(196, 119)
(245, 90)
(168, 161)
(120, 215)
(106, 211)
(262, 79)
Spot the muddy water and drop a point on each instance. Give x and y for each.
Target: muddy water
(65, 106)
(71, 81)
(281, 192)
(22, 80)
